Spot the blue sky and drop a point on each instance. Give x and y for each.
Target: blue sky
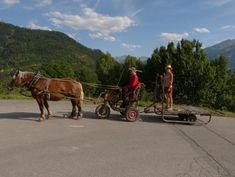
(122, 27)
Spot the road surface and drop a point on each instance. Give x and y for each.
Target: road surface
(62, 147)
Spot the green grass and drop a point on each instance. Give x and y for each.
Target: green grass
(7, 95)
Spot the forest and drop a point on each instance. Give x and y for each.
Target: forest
(198, 80)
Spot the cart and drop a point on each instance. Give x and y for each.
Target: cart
(184, 114)
(114, 99)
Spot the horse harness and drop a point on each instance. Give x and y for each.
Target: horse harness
(35, 80)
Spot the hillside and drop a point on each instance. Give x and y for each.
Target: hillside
(226, 48)
(22, 48)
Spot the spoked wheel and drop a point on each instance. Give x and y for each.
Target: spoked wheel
(102, 111)
(132, 114)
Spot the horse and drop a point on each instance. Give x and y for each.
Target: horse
(45, 89)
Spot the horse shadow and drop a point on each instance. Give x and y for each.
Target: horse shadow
(27, 116)
(30, 116)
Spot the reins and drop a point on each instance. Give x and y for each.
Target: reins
(111, 87)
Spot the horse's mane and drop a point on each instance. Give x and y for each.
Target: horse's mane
(24, 73)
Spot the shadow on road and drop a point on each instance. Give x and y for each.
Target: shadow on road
(119, 117)
(151, 118)
(20, 116)
(27, 116)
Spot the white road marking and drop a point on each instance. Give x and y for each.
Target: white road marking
(76, 126)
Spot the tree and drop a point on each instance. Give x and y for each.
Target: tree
(87, 75)
(130, 61)
(190, 68)
(107, 69)
(59, 69)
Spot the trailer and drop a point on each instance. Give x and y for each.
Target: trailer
(183, 114)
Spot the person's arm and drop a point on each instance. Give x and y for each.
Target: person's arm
(171, 80)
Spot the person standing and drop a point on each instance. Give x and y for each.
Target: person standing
(168, 87)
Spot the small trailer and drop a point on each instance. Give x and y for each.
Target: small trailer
(184, 114)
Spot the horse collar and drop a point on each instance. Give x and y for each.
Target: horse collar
(34, 80)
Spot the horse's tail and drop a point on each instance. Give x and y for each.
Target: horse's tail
(82, 93)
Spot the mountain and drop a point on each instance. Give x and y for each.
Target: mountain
(121, 59)
(226, 48)
(22, 48)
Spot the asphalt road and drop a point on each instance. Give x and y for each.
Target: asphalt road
(61, 147)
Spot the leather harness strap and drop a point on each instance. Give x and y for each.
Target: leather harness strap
(46, 91)
(34, 80)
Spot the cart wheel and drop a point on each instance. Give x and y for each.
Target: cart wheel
(192, 118)
(102, 111)
(132, 114)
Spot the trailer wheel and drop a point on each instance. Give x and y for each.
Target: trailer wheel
(132, 114)
(102, 111)
(192, 118)
(183, 117)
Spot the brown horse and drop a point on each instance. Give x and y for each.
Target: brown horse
(44, 89)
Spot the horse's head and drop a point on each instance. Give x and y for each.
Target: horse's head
(19, 79)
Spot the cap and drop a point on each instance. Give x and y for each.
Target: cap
(168, 67)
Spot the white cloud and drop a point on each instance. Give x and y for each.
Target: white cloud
(102, 36)
(11, 2)
(100, 25)
(202, 30)
(33, 25)
(131, 47)
(44, 2)
(171, 37)
(227, 27)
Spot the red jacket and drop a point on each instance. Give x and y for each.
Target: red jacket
(134, 82)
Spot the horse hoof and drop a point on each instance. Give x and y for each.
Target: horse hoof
(78, 117)
(49, 116)
(41, 119)
(72, 116)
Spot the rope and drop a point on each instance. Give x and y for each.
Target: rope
(111, 87)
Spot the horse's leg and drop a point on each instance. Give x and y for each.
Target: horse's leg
(73, 113)
(80, 113)
(48, 110)
(40, 104)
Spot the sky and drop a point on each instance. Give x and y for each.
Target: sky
(122, 27)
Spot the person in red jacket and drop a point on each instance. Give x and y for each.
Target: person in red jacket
(134, 81)
(133, 84)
